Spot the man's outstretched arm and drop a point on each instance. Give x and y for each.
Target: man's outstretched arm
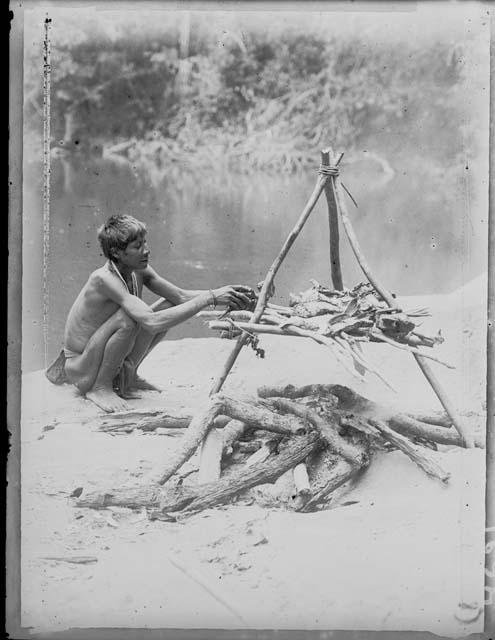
(159, 321)
(243, 295)
(165, 289)
(176, 295)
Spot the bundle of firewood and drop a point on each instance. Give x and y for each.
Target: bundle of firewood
(323, 434)
(341, 320)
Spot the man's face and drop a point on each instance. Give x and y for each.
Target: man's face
(135, 256)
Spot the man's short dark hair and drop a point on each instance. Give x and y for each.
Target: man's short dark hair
(118, 232)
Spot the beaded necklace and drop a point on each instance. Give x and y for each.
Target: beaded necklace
(113, 268)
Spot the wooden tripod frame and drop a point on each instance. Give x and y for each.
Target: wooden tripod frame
(329, 182)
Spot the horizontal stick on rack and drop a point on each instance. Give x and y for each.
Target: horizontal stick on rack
(378, 335)
(238, 316)
(290, 330)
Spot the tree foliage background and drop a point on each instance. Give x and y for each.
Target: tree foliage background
(251, 92)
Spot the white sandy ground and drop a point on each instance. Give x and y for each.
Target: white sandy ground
(400, 557)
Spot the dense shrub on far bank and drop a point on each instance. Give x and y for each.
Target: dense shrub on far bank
(254, 100)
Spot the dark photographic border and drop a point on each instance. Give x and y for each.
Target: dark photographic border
(14, 319)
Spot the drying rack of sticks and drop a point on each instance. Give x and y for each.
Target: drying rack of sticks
(325, 433)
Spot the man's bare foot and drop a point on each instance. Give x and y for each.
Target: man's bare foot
(107, 400)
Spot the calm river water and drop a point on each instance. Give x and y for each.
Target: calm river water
(210, 230)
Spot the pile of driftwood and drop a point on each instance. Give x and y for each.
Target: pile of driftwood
(341, 320)
(325, 434)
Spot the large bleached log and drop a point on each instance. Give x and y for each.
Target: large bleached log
(260, 455)
(339, 474)
(202, 496)
(301, 479)
(232, 432)
(400, 422)
(407, 426)
(215, 445)
(149, 421)
(130, 497)
(350, 452)
(247, 412)
(302, 485)
(349, 400)
(294, 452)
(148, 497)
(211, 457)
(194, 435)
(253, 413)
(424, 461)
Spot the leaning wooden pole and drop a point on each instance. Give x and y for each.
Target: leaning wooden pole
(267, 284)
(390, 300)
(333, 223)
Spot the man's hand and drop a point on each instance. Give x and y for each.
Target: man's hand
(235, 296)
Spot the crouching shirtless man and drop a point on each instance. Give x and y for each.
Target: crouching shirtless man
(110, 330)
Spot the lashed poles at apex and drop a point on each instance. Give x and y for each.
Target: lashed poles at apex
(390, 300)
(327, 158)
(267, 284)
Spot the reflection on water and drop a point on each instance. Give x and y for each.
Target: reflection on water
(209, 230)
